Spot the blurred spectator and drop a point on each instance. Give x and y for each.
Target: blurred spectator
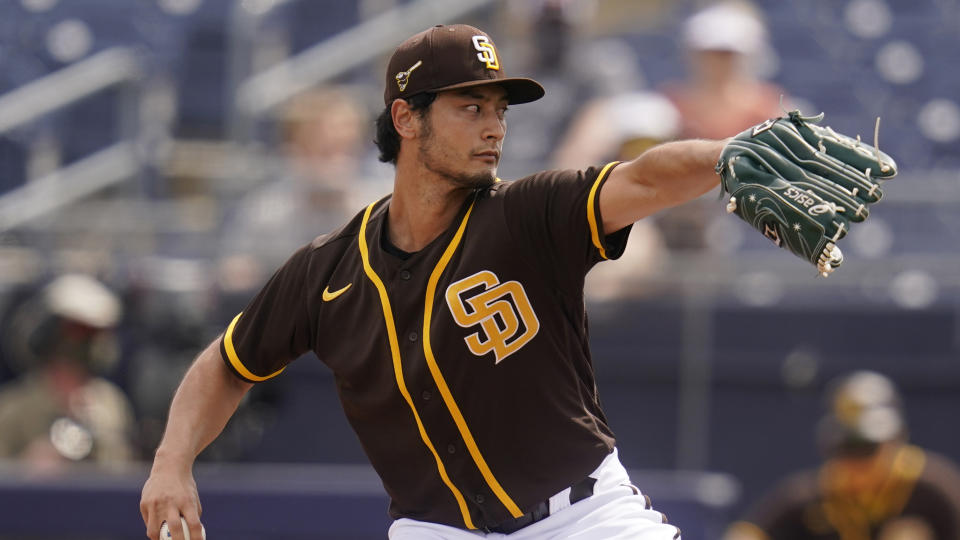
(61, 409)
(720, 97)
(326, 173)
(873, 484)
(620, 128)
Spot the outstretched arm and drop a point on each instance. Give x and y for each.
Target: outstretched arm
(207, 397)
(663, 176)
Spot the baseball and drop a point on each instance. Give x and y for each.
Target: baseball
(165, 531)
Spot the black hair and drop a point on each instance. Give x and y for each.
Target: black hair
(387, 138)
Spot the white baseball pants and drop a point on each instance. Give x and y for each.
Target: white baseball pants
(616, 511)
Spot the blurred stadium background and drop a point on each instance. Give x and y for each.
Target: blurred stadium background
(132, 133)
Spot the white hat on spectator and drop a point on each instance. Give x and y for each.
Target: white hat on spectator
(81, 298)
(725, 27)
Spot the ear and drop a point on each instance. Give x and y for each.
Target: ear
(405, 120)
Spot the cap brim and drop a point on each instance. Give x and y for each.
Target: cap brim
(519, 89)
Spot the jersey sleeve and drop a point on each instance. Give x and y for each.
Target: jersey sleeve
(274, 329)
(557, 214)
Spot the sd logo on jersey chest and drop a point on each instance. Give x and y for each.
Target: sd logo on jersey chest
(502, 310)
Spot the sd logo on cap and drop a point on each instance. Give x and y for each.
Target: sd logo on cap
(449, 57)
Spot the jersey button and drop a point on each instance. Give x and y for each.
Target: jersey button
(412, 336)
(405, 275)
(427, 395)
(479, 498)
(451, 449)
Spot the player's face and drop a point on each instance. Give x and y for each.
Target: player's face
(462, 136)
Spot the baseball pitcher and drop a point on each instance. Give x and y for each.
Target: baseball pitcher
(451, 312)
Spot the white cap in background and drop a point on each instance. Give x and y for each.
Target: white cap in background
(725, 27)
(81, 298)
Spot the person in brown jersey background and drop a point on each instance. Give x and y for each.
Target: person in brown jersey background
(873, 485)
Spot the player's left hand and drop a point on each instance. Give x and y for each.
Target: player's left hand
(802, 185)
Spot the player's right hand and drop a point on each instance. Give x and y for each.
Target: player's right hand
(170, 492)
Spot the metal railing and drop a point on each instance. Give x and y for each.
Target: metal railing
(104, 70)
(354, 47)
(61, 88)
(73, 182)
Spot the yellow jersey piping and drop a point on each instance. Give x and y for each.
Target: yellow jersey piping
(591, 212)
(398, 368)
(235, 360)
(442, 384)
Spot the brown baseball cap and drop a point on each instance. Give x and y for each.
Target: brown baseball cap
(449, 57)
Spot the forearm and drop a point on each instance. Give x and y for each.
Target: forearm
(680, 171)
(665, 175)
(206, 399)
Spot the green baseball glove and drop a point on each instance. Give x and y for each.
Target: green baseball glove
(801, 184)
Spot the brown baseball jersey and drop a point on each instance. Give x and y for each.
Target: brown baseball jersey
(464, 368)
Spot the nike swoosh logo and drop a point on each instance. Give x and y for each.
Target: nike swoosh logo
(328, 296)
